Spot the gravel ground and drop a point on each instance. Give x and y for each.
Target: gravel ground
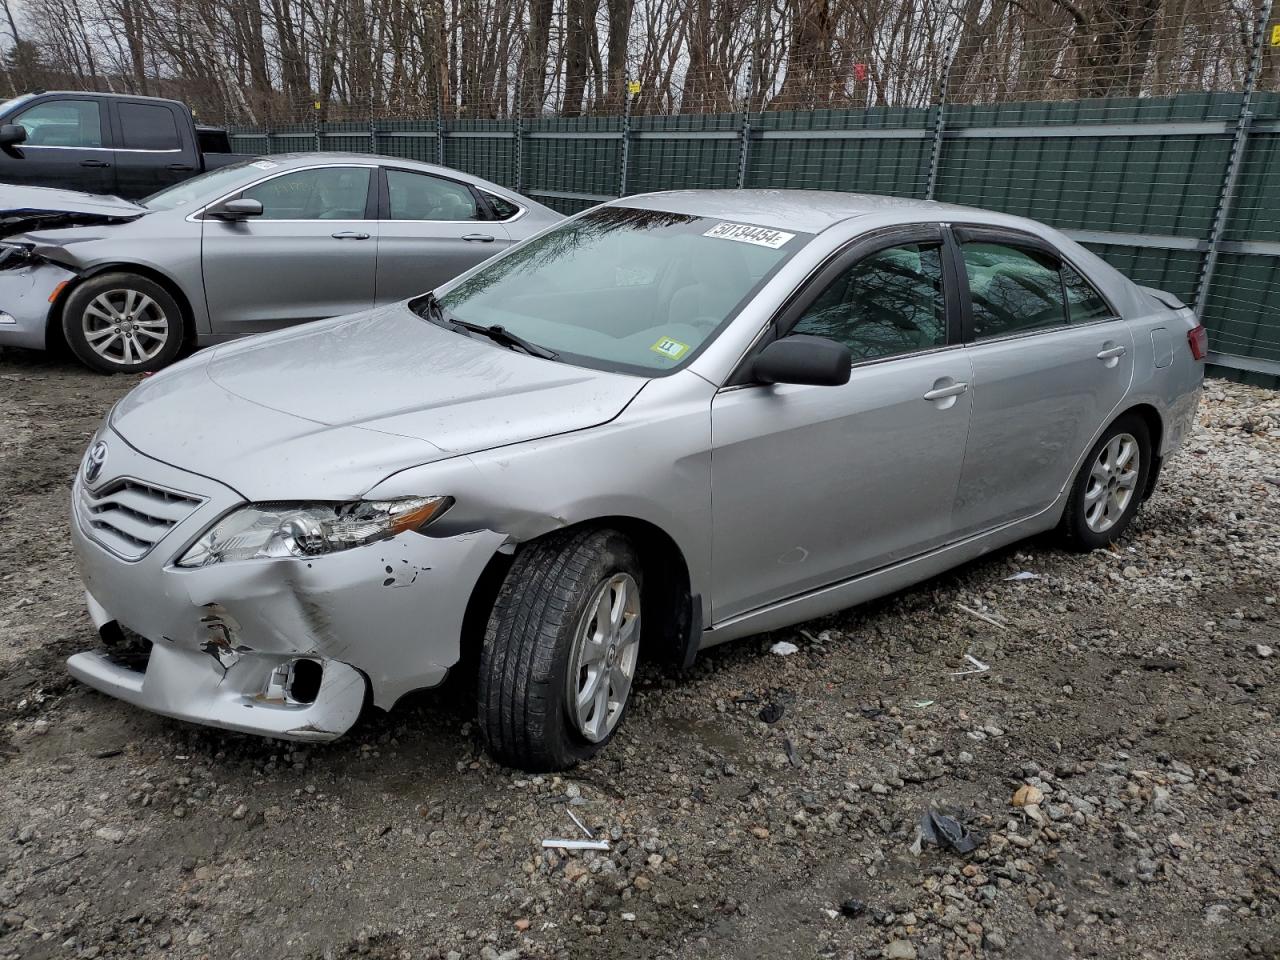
(1130, 706)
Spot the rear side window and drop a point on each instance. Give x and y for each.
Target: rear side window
(62, 123)
(420, 196)
(323, 193)
(886, 304)
(1012, 289)
(147, 126)
(1084, 304)
(502, 209)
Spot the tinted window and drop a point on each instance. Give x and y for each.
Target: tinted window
(502, 209)
(148, 127)
(417, 196)
(323, 193)
(888, 303)
(1013, 290)
(63, 123)
(1083, 302)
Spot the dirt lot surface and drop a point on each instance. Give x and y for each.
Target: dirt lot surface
(1135, 691)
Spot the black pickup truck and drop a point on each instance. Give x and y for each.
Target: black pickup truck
(105, 143)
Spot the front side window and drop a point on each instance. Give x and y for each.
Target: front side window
(626, 289)
(322, 193)
(62, 123)
(420, 196)
(145, 126)
(1013, 289)
(886, 304)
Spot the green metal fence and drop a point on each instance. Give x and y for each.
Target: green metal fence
(1179, 193)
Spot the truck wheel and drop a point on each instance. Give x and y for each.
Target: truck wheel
(560, 650)
(1108, 489)
(123, 323)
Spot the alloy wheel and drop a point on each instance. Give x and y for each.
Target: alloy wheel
(602, 663)
(1112, 482)
(125, 327)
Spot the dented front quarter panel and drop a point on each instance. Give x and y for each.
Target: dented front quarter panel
(26, 286)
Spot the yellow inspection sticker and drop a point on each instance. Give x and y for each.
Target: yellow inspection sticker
(671, 349)
(1275, 35)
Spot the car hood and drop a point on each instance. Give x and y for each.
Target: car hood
(31, 208)
(329, 409)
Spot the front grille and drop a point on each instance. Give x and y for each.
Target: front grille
(129, 517)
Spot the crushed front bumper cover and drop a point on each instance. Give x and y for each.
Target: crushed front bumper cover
(227, 642)
(25, 289)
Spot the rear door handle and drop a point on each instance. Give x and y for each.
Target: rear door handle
(1110, 353)
(941, 393)
(349, 235)
(478, 238)
(94, 163)
(181, 167)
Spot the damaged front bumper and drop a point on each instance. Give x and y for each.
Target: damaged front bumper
(27, 286)
(287, 648)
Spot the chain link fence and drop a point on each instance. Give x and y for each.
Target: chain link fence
(1157, 145)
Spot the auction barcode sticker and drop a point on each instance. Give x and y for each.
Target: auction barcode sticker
(743, 233)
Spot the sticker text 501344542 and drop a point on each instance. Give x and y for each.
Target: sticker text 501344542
(745, 233)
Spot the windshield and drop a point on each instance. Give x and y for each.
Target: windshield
(201, 189)
(625, 289)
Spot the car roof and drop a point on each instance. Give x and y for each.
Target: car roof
(809, 210)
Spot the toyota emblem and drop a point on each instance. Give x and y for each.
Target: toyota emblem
(94, 460)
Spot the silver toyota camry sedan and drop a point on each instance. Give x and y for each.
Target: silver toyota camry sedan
(670, 421)
(243, 249)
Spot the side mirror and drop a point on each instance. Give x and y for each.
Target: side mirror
(237, 209)
(800, 358)
(12, 134)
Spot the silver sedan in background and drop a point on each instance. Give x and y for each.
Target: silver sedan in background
(244, 249)
(673, 420)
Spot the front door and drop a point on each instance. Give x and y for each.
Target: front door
(1051, 363)
(67, 146)
(814, 485)
(433, 229)
(312, 253)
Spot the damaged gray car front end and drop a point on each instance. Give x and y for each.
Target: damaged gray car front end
(35, 269)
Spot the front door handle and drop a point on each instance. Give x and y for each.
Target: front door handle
(349, 235)
(94, 163)
(478, 238)
(942, 393)
(1111, 353)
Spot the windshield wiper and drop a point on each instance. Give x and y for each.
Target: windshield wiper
(431, 308)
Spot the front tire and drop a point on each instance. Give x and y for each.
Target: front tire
(1109, 487)
(123, 323)
(560, 650)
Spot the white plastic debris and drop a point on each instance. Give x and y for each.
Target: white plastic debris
(978, 666)
(784, 648)
(576, 844)
(1024, 575)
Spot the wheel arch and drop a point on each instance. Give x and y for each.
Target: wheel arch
(53, 329)
(672, 615)
(1155, 429)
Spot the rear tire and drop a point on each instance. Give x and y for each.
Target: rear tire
(1109, 487)
(123, 323)
(560, 650)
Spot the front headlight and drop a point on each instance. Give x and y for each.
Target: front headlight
(309, 529)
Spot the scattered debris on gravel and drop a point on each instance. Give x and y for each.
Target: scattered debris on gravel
(1117, 763)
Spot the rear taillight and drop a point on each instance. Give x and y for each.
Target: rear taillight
(1198, 338)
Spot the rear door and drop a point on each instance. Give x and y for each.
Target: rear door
(312, 253)
(816, 484)
(154, 146)
(1051, 363)
(433, 228)
(68, 145)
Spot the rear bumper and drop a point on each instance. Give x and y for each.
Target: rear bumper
(225, 641)
(24, 303)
